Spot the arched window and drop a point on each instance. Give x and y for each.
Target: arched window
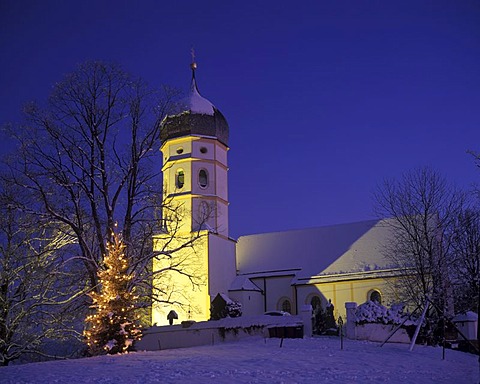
(318, 318)
(315, 302)
(375, 296)
(180, 179)
(203, 178)
(286, 306)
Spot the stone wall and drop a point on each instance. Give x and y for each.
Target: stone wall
(175, 336)
(224, 330)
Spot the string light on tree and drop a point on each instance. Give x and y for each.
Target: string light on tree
(113, 326)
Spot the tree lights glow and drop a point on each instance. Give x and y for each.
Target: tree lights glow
(114, 325)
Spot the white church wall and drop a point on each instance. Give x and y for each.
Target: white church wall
(252, 301)
(177, 147)
(221, 182)
(221, 264)
(222, 218)
(214, 160)
(363, 288)
(203, 212)
(203, 149)
(305, 293)
(210, 169)
(342, 292)
(184, 210)
(170, 174)
(276, 288)
(206, 210)
(178, 288)
(221, 153)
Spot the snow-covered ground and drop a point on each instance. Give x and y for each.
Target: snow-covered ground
(316, 360)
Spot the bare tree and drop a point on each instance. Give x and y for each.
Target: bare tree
(90, 159)
(36, 285)
(466, 266)
(423, 208)
(85, 157)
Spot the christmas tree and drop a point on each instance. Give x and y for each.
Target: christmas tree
(113, 326)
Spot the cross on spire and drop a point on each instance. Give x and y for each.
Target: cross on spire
(193, 65)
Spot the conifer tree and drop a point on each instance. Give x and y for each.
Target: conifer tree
(113, 326)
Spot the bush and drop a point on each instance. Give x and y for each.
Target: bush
(372, 312)
(223, 306)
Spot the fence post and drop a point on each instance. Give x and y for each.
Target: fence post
(306, 314)
(351, 331)
(340, 326)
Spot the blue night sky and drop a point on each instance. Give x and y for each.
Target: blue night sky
(324, 98)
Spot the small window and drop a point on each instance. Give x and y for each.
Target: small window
(180, 179)
(203, 178)
(179, 150)
(203, 150)
(286, 306)
(375, 296)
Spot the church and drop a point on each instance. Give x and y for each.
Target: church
(280, 271)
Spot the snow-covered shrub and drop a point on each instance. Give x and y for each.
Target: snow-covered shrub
(373, 312)
(397, 315)
(223, 306)
(233, 309)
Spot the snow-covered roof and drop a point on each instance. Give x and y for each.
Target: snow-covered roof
(346, 276)
(464, 317)
(197, 116)
(198, 104)
(226, 298)
(337, 249)
(242, 283)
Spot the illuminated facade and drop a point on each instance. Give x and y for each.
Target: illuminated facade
(272, 271)
(195, 210)
(287, 270)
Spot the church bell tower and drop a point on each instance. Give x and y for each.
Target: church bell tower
(194, 148)
(195, 210)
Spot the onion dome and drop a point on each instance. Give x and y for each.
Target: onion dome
(196, 116)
